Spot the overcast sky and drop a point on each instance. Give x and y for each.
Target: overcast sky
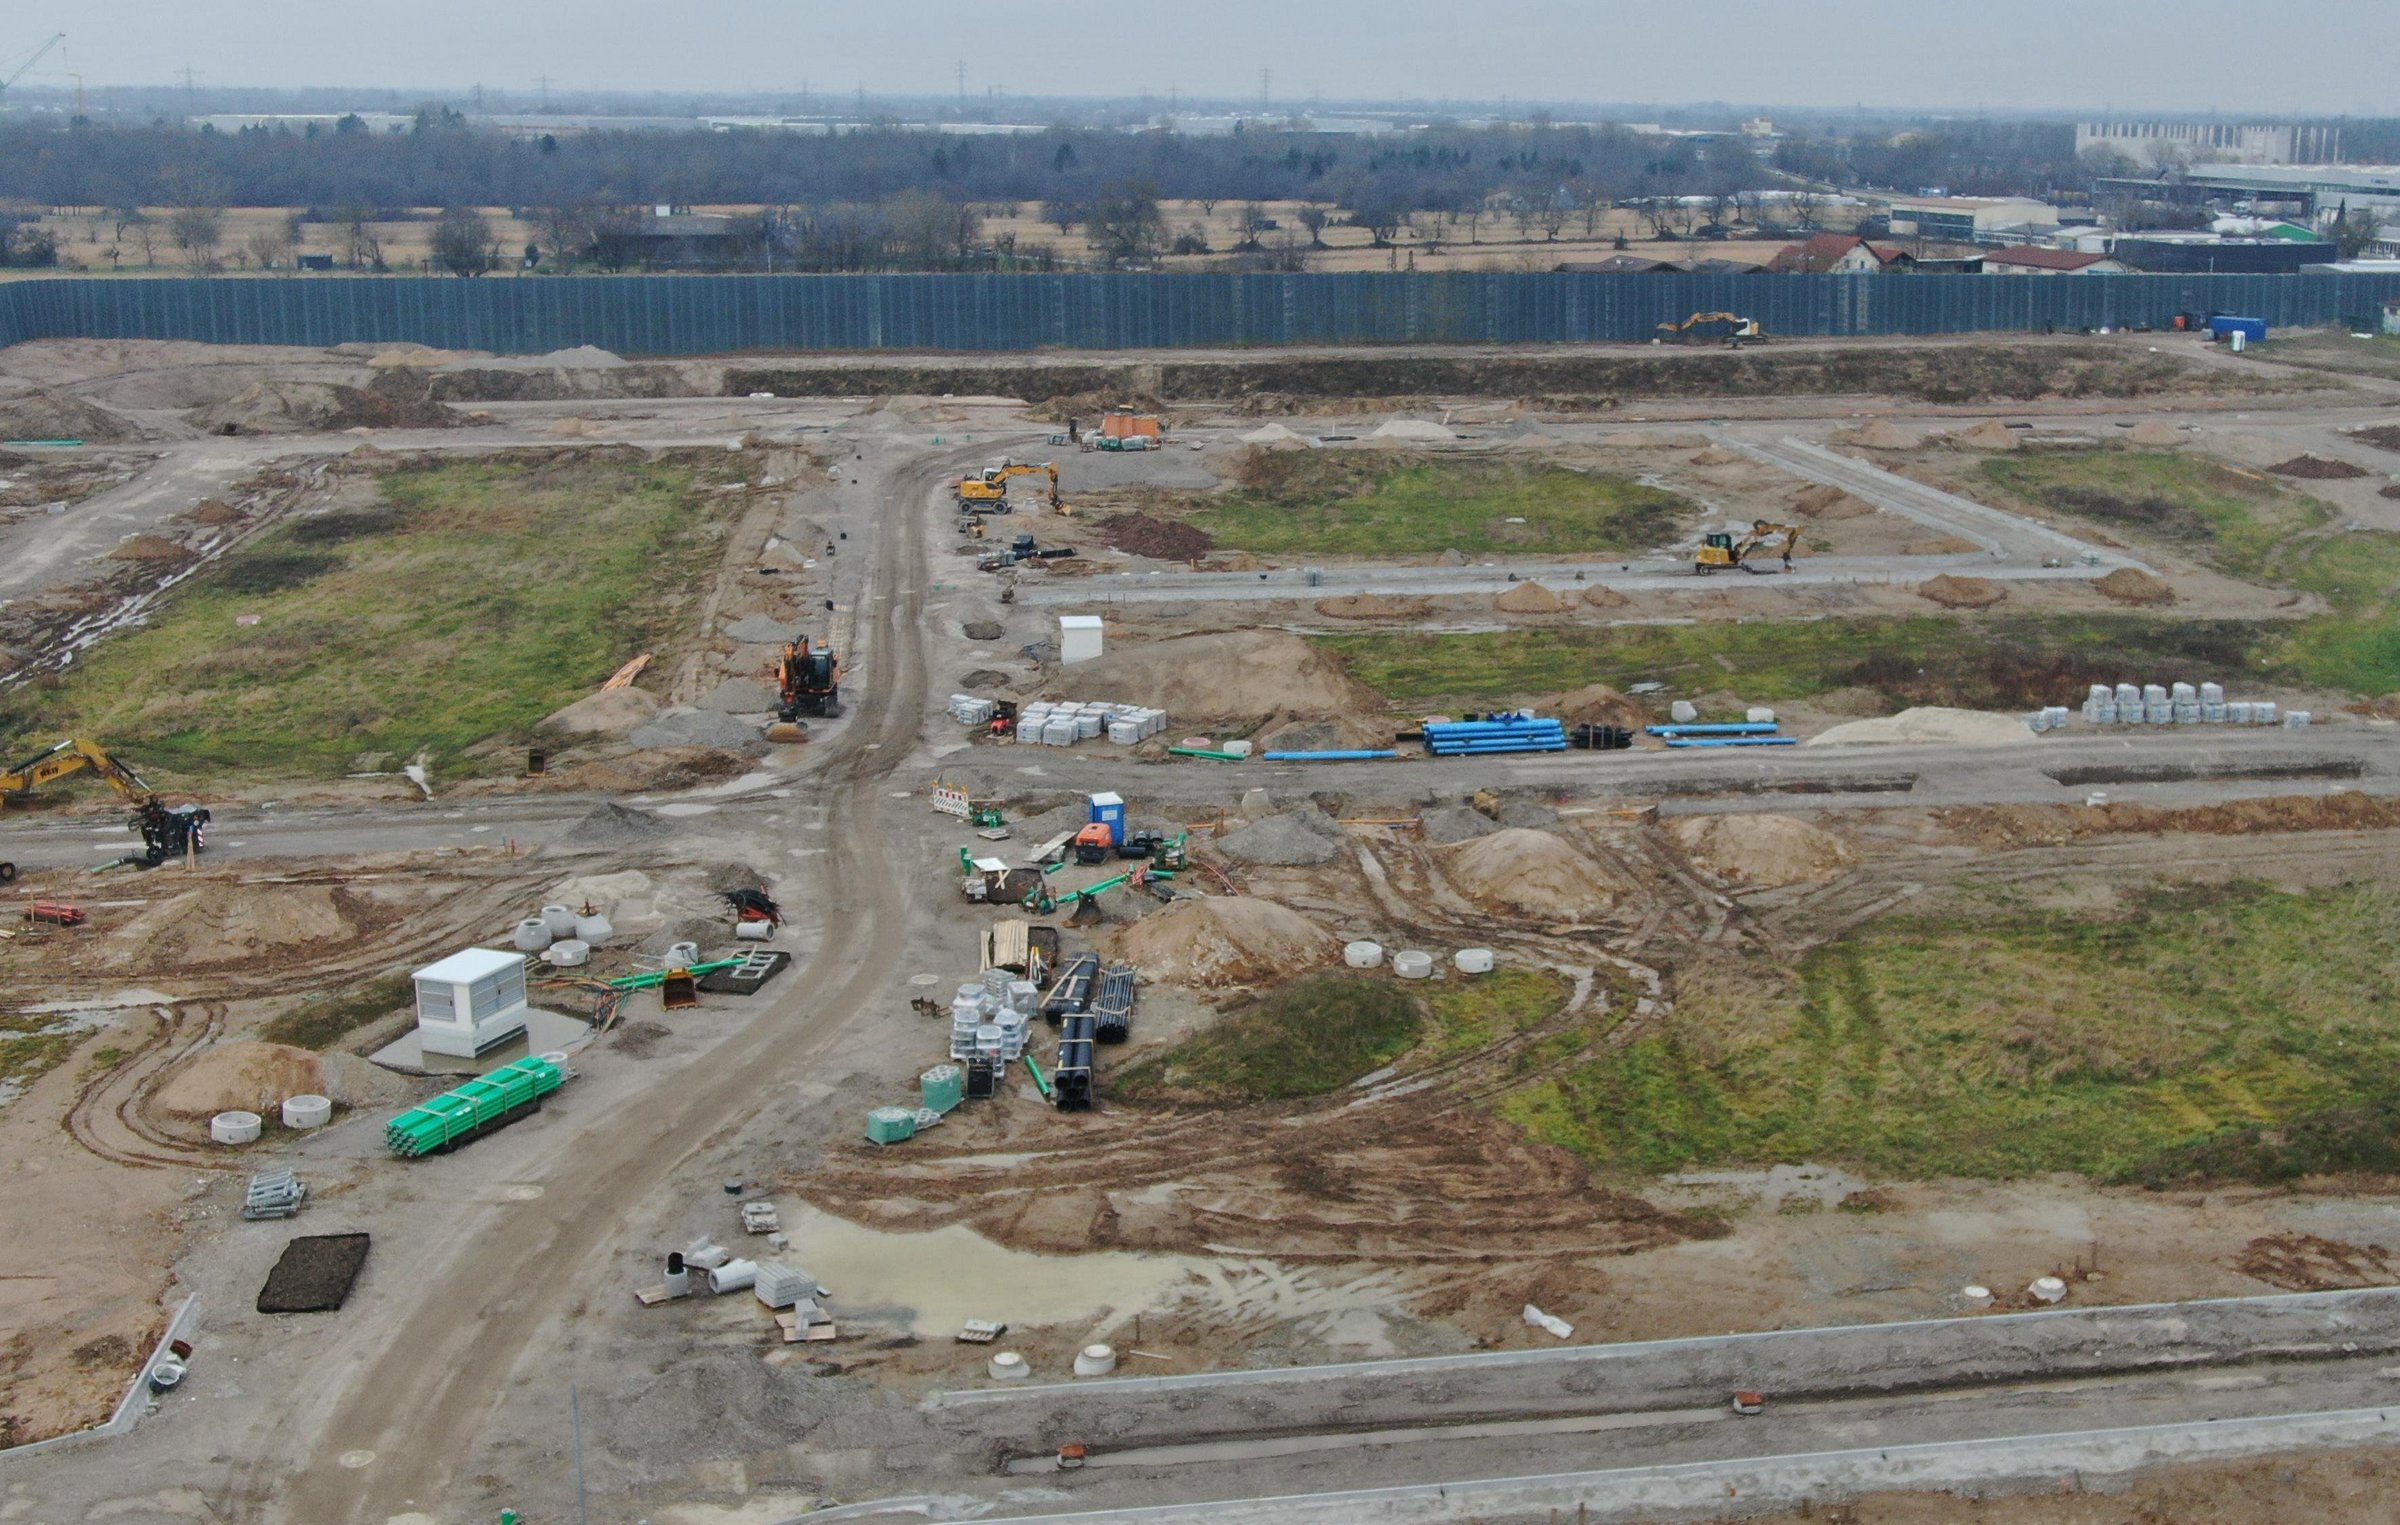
(2329, 57)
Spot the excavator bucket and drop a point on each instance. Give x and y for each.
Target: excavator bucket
(1086, 912)
(787, 730)
(680, 991)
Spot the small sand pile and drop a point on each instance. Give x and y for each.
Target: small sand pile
(1274, 436)
(317, 407)
(244, 924)
(1530, 871)
(1371, 606)
(1762, 850)
(1879, 434)
(240, 1077)
(2318, 469)
(1718, 455)
(570, 425)
(1827, 503)
(1598, 704)
(1927, 725)
(1991, 434)
(2129, 585)
(149, 548)
(213, 511)
(1413, 431)
(1529, 598)
(2155, 433)
(613, 826)
(758, 630)
(1450, 824)
(1290, 840)
(1160, 539)
(1605, 598)
(610, 712)
(48, 416)
(1940, 545)
(1453, 557)
(1961, 592)
(1225, 940)
(739, 696)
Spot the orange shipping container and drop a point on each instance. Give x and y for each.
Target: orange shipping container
(1129, 426)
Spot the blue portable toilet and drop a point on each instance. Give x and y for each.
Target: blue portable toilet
(1109, 810)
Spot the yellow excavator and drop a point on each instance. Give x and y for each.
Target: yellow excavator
(167, 831)
(1735, 329)
(987, 491)
(1724, 550)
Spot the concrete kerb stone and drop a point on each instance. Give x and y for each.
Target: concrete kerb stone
(131, 1407)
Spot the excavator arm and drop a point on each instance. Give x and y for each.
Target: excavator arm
(1761, 533)
(70, 757)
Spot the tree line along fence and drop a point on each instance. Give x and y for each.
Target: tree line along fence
(659, 315)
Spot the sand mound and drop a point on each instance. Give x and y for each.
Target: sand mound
(1718, 455)
(1828, 503)
(607, 713)
(1961, 592)
(1927, 724)
(1295, 838)
(1605, 598)
(1529, 598)
(1940, 545)
(243, 924)
(1991, 434)
(1879, 434)
(316, 407)
(1413, 431)
(1225, 679)
(149, 548)
(1656, 439)
(1218, 941)
(2153, 433)
(1532, 871)
(243, 1077)
(1371, 606)
(2130, 586)
(1598, 704)
(1274, 435)
(213, 511)
(758, 630)
(1762, 850)
(48, 416)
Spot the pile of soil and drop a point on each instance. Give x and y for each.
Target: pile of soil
(47, 415)
(213, 511)
(1991, 434)
(1531, 871)
(150, 548)
(1529, 598)
(1160, 539)
(1879, 434)
(1927, 724)
(1448, 825)
(245, 924)
(1718, 455)
(758, 630)
(2382, 437)
(240, 1077)
(1762, 850)
(1827, 503)
(698, 728)
(1294, 839)
(1940, 545)
(1961, 592)
(2155, 433)
(982, 630)
(317, 407)
(613, 826)
(1229, 680)
(2392, 491)
(2128, 585)
(315, 1274)
(1275, 437)
(2318, 469)
(610, 712)
(1372, 606)
(1225, 940)
(1598, 704)
(1605, 598)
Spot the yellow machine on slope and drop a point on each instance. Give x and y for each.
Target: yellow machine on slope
(1723, 550)
(987, 491)
(68, 758)
(1733, 328)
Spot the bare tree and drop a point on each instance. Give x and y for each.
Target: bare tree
(197, 230)
(1125, 223)
(463, 243)
(567, 230)
(1806, 206)
(1313, 218)
(270, 243)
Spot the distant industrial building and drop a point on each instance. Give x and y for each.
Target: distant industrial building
(2162, 145)
(301, 121)
(2311, 191)
(2209, 254)
(1971, 219)
(2032, 259)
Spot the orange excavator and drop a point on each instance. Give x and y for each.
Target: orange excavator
(808, 681)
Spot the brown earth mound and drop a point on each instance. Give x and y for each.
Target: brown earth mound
(244, 924)
(1940, 545)
(1605, 598)
(1828, 503)
(1372, 606)
(2003, 826)
(213, 511)
(1718, 455)
(2382, 436)
(610, 712)
(240, 1077)
(1762, 850)
(2155, 434)
(1225, 940)
(1529, 598)
(1237, 679)
(1598, 704)
(1524, 870)
(1162, 539)
(1878, 434)
(48, 416)
(2128, 585)
(317, 407)
(2392, 491)
(1961, 592)
(1988, 435)
(149, 548)
(2317, 468)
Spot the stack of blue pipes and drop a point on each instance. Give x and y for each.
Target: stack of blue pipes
(1501, 733)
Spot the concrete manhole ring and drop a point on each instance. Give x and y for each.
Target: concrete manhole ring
(522, 1193)
(356, 1459)
(922, 980)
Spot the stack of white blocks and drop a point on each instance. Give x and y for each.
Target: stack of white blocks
(966, 709)
(2179, 704)
(1064, 722)
(993, 1019)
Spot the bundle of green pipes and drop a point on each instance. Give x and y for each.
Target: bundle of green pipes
(480, 1103)
(659, 976)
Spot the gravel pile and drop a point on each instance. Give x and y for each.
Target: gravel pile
(1456, 823)
(739, 696)
(758, 630)
(982, 630)
(1296, 839)
(696, 728)
(611, 826)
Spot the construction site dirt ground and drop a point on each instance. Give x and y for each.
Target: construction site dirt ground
(1408, 1210)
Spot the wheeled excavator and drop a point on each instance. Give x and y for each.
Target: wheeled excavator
(808, 681)
(1735, 329)
(1724, 550)
(167, 831)
(987, 491)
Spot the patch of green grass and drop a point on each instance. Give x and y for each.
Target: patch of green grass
(323, 1021)
(1472, 1014)
(33, 1045)
(481, 596)
(1314, 1035)
(2179, 1033)
(2006, 662)
(1350, 503)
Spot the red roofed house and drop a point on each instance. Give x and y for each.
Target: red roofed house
(2032, 259)
(1838, 254)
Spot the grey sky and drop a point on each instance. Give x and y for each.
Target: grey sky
(2331, 57)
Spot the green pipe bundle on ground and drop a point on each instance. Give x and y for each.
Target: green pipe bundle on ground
(486, 1099)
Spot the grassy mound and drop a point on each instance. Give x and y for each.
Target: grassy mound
(1305, 1038)
(1349, 503)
